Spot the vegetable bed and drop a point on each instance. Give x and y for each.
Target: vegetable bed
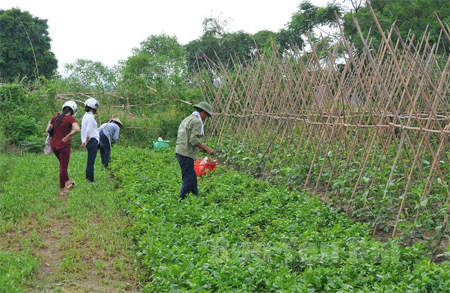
(244, 235)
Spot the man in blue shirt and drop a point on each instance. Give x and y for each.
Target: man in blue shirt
(109, 133)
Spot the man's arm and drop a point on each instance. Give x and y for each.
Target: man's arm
(206, 149)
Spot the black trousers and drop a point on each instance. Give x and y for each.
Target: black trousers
(188, 175)
(105, 149)
(92, 148)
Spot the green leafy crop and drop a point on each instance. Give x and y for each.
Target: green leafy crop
(244, 235)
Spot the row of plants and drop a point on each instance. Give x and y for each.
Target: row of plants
(242, 234)
(376, 200)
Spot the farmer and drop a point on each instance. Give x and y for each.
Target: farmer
(109, 134)
(65, 126)
(90, 136)
(188, 141)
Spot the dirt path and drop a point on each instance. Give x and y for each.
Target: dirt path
(79, 239)
(72, 260)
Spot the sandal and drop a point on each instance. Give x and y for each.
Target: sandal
(70, 184)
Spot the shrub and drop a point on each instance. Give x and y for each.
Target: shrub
(3, 141)
(19, 128)
(23, 114)
(32, 144)
(41, 102)
(12, 100)
(144, 130)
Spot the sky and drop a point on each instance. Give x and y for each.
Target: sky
(107, 30)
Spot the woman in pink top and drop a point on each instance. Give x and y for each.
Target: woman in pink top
(65, 126)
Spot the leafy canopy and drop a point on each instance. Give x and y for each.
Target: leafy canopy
(410, 16)
(218, 46)
(25, 47)
(156, 69)
(304, 21)
(90, 75)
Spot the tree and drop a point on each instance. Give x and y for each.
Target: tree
(216, 45)
(207, 48)
(90, 75)
(159, 56)
(410, 16)
(308, 18)
(158, 66)
(239, 45)
(264, 40)
(24, 47)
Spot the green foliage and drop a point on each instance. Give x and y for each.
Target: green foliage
(32, 144)
(410, 16)
(17, 126)
(265, 40)
(3, 141)
(25, 47)
(157, 70)
(41, 101)
(12, 100)
(86, 75)
(244, 235)
(143, 130)
(375, 201)
(14, 268)
(304, 21)
(20, 128)
(24, 115)
(217, 46)
(238, 46)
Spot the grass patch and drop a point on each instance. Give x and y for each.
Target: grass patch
(14, 268)
(76, 242)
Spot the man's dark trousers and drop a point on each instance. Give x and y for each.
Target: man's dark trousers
(105, 149)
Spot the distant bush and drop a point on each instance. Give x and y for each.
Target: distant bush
(12, 100)
(142, 131)
(18, 128)
(3, 141)
(41, 102)
(24, 113)
(32, 144)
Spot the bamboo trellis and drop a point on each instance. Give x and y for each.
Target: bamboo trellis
(370, 134)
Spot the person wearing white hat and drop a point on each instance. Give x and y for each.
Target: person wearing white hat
(61, 128)
(188, 142)
(90, 136)
(109, 134)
